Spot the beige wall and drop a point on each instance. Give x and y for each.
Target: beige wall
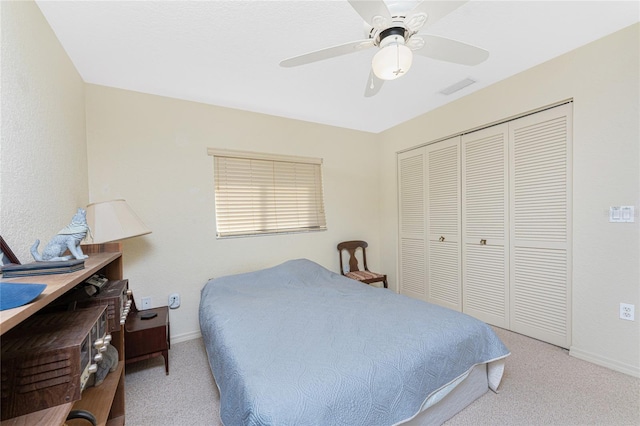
(602, 79)
(152, 151)
(43, 155)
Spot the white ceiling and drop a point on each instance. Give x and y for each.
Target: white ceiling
(227, 53)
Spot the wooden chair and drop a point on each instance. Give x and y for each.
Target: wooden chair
(365, 276)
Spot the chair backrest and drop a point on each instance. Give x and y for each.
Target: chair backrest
(351, 247)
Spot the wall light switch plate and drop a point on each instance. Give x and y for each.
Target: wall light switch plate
(628, 213)
(618, 214)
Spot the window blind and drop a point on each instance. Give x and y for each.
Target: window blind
(259, 194)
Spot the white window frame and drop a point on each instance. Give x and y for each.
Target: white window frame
(266, 194)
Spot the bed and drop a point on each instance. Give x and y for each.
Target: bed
(297, 344)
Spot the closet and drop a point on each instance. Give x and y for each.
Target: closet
(485, 221)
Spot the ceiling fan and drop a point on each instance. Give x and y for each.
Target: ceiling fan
(394, 32)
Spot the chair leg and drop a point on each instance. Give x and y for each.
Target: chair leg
(385, 282)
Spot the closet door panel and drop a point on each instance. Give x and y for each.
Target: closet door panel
(412, 227)
(443, 223)
(413, 274)
(540, 294)
(485, 261)
(541, 225)
(444, 274)
(484, 284)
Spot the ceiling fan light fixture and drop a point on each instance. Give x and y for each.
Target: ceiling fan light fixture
(393, 60)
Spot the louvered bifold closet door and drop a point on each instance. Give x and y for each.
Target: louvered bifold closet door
(485, 257)
(540, 195)
(411, 190)
(443, 224)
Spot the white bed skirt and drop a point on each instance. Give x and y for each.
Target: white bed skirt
(453, 399)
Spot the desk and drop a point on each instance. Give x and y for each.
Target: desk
(147, 338)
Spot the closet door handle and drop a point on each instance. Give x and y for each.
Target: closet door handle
(441, 239)
(483, 242)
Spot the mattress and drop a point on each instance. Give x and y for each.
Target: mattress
(297, 344)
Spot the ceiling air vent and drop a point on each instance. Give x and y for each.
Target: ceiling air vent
(457, 86)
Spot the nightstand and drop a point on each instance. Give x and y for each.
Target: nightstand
(147, 338)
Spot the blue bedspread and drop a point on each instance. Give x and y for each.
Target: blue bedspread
(297, 344)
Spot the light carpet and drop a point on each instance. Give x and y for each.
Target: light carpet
(542, 385)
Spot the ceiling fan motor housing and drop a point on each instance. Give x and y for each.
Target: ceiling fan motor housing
(388, 33)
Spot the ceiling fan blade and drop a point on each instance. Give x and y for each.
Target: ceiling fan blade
(374, 13)
(429, 12)
(373, 85)
(329, 52)
(446, 49)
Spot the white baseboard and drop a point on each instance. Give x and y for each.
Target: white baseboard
(631, 370)
(185, 336)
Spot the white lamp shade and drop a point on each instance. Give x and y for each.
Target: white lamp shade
(113, 221)
(392, 61)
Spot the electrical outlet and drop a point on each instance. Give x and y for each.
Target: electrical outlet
(145, 303)
(627, 311)
(174, 301)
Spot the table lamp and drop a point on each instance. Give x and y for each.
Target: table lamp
(113, 221)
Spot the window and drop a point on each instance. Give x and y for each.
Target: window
(258, 194)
